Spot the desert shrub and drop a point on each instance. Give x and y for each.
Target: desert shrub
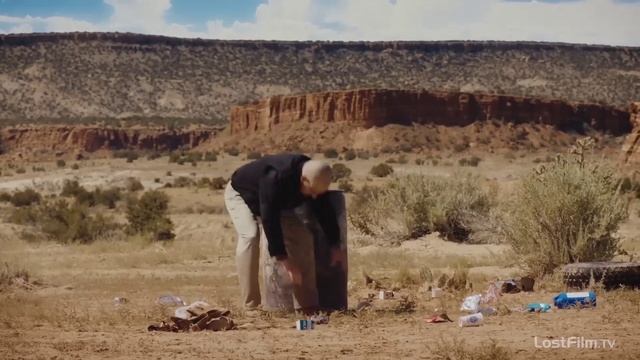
(25, 197)
(75, 166)
(21, 170)
(154, 155)
(472, 161)
(169, 173)
(435, 162)
(60, 163)
(402, 159)
(218, 183)
(132, 185)
(330, 153)
(232, 151)
(566, 211)
(203, 182)
(174, 157)
(364, 155)
(5, 197)
(148, 216)
(415, 205)
(460, 147)
(630, 185)
(345, 185)
(130, 155)
(63, 222)
(9, 274)
(108, 197)
(254, 155)
(183, 181)
(340, 171)
(349, 155)
(419, 162)
(38, 169)
(210, 156)
(381, 170)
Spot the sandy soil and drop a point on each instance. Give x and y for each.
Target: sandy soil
(70, 313)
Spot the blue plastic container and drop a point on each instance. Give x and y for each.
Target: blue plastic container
(575, 299)
(538, 307)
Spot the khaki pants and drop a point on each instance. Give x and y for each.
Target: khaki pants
(298, 242)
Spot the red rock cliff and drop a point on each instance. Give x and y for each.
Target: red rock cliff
(631, 147)
(378, 107)
(49, 139)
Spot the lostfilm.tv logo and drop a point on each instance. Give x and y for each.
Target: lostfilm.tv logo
(578, 342)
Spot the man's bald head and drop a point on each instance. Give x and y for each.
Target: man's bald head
(316, 178)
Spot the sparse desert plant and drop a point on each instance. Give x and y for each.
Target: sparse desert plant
(419, 162)
(9, 275)
(381, 170)
(345, 185)
(210, 156)
(402, 159)
(457, 349)
(330, 153)
(169, 173)
(566, 211)
(5, 197)
(340, 171)
(61, 163)
(148, 216)
(218, 183)
(349, 155)
(132, 185)
(63, 222)
(25, 197)
(183, 181)
(21, 170)
(472, 161)
(75, 166)
(153, 155)
(364, 155)
(411, 206)
(232, 151)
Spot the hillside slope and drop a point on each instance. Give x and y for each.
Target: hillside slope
(90, 76)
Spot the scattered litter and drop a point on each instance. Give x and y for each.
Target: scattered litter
(526, 283)
(305, 325)
(575, 299)
(471, 303)
(171, 300)
(538, 307)
(436, 292)
(363, 304)
(120, 301)
(319, 319)
(471, 320)
(438, 318)
(492, 295)
(213, 320)
(384, 295)
(488, 310)
(371, 283)
(196, 308)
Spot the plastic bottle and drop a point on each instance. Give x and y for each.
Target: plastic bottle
(570, 299)
(471, 320)
(538, 307)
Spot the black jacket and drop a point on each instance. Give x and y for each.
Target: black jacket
(272, 184)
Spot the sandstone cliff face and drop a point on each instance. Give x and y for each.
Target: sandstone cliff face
(45, 140)
(378, 107)
(631, 147)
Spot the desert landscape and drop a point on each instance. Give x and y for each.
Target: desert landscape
(111, 196)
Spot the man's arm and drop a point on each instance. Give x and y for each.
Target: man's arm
(270, 214)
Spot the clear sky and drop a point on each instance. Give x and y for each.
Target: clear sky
(613, 22)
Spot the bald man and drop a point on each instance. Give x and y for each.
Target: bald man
(265, 192)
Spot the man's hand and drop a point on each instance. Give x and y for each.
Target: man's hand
(294, 272)
(337, 256)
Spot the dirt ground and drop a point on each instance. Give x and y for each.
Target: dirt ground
(69, 312)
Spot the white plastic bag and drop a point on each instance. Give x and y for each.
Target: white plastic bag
(471, 303)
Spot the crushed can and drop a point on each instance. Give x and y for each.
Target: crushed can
(384, 295)
(305, 325)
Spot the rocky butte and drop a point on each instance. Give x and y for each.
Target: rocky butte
(379, 107)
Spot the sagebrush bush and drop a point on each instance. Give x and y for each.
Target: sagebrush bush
(61, 163)
(148, 216)
(132, 184)
(381, 170)
(415, 205)
(218, 183)
(254, 155)
(340, 171)
(25, 197)
(349, 155)
(330, 153)
(564, 212)
(64, 222)
(345, 185)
